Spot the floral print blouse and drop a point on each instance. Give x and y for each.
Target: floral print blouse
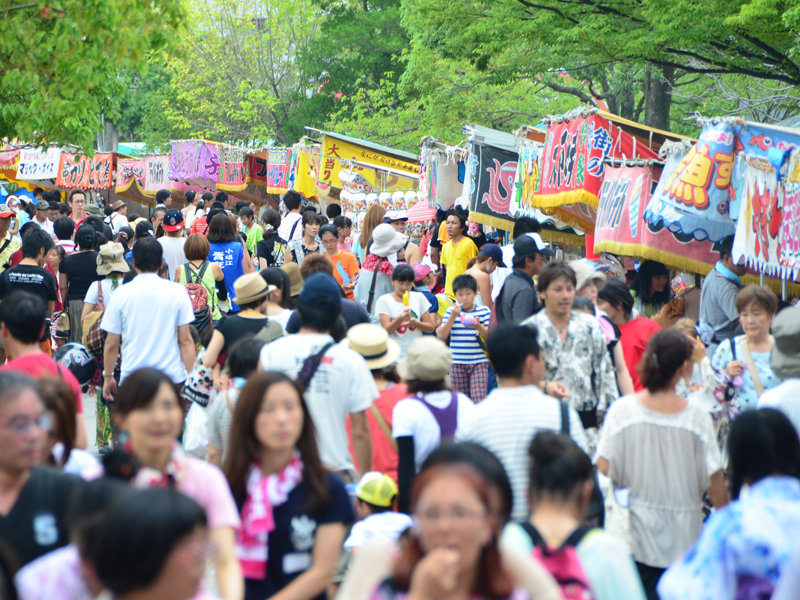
(743, 547)
(581, 362)
(746, 397)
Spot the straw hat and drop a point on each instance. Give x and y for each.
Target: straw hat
(251, 287)
(110, 259)
(386, 240)
(427, 359)
(295, 278)
(374, 344)
(585, 273)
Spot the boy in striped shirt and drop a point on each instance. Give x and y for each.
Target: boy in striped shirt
(465, 323)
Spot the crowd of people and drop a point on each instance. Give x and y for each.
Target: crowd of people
(290, 409)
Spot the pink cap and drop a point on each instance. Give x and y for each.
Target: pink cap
(420, 272)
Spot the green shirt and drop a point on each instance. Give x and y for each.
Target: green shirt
(255, 235)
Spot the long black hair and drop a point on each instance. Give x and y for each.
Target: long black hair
(641, 285)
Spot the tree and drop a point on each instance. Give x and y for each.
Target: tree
(597, 40)
(237, 79)
(60, 66)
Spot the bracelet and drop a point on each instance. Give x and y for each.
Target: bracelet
(107, 376)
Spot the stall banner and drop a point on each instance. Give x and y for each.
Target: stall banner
(76, 171)
(692, 195)
(234, 169)
(210, 159)
(621, 228)
(257, 167)
(492, 175)
(128, 171)
(304, 173)
(789, 237)
(576, 215)
(278, 163)
(156, 174)
(442, 174)
(184, 163)
(39, 164)
(335, 151)
(527, 178)
(760, 219)
(292, 170)
(573, 161)
(9, 155)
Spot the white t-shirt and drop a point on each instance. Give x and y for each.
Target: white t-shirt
(191, 214)
(412, 418)
(404, 335)
(382, 526)
(146, 312)
(174, 255)
(117, 221)
(108, 290)
(505, 423)
(785, 398)
(282, 318)
(342, 385)
(286, 226)
(498, 276)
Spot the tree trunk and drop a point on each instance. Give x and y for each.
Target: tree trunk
(658, 88)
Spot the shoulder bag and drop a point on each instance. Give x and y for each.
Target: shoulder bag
(96, 315)
(372, 286)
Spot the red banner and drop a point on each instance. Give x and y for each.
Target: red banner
(84, 172)
(573, 160)
(621, 229)
(257, 166)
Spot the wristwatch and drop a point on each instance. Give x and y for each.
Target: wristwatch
(107, 376)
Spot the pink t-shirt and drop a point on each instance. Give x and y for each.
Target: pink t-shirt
(38, 364)
(206, 484)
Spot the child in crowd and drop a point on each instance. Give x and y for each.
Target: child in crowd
(464, 323)
(405, 314)
(252, 230)
(376, 494)
(423, 279)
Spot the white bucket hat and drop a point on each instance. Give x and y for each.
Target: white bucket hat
(386, 240)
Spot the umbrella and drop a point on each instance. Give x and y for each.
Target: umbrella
(421, 213)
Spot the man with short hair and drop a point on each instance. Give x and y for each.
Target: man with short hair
(77, 204)
(718, 315)
(291, 227)
(119, 216)
(342, 384)
(172, 242)
(157, 219)
(223, 197)
(22, 323)
(151, 317)
(578, 364)
(506, 421)
(33, 498)
(53, 211)
(164, 199)
(64, 229)
(42, 216)
(518, 300)
(411, 253)
(8, 243)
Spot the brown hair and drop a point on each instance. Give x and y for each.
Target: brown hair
(221, 231)
(667, 351)
(316, 263)
(372, 219)
(754, 294)
(245, 448)
(140, 388)
(492, 580)
(73, 193)
(552, 271)
(196, 247)
(59, 399)
(476, 260)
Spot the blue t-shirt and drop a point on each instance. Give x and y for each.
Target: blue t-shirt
(229, 257)
(291, 543)
(464, 340)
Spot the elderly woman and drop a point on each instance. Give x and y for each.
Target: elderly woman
(745, 358)
(375, 277)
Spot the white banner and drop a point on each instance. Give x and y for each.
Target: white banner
(38, 164)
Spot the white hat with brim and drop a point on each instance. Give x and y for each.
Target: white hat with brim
(110, 259)
(374, 344)
(386, 240)
(585, 272)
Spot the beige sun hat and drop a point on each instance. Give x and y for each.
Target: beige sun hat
(251, 287)
(295, 278)
(586, 273)
(110, 259)
(427, 359)
(374, 344)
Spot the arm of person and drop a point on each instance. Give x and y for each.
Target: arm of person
(481, 328)
(262, 263)
(247, 261)
(327, 547)
(603, 465)
(110, 353)
(624, 381)
(435, 256)
(362, 440)
(178, 271)
(215, 346)
(485, 288)
(392, 325)
(288, 256)
(229, 573)
(186, 346)
(427, 324)
(63, 287)
(443, 331)
(718, 491)
(215, 455)
(406, 470)
(51, 308)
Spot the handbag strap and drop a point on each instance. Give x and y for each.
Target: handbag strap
(751, 366)
(383, 425)
(372, 285)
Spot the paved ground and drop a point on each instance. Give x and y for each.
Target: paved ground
(90, 418)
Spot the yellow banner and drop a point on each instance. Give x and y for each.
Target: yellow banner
(336, 151)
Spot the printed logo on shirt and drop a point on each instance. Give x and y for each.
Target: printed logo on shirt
(303, 530)
(45, 529)
(404, 328)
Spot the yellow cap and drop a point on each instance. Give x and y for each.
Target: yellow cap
(377, 489)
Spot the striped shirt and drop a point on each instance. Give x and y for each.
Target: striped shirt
(464, 340)
(505, 423)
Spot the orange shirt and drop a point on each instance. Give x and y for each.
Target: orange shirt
(345, 268)
(444, 237)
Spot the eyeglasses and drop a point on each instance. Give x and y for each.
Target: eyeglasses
(457, 515)
(22, 426)
(79, 201)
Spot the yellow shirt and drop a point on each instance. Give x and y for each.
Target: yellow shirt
(455, 258)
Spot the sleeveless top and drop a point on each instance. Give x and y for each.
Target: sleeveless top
(209, 283)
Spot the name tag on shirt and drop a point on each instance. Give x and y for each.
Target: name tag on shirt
(296, 562)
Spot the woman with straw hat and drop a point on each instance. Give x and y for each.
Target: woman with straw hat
(251, 293)
(381, 353)
(111, 266)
